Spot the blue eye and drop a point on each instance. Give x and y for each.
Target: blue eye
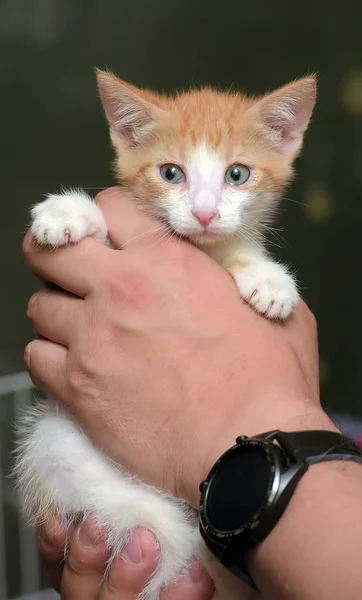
(172, 174)
(237, 175)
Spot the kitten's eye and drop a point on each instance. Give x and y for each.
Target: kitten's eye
(237, 174)
(172, 174)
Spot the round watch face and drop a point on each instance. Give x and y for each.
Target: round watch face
(239, 488)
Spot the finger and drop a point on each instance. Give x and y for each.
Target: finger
(85, 563)
(54, 313)
(196, 585)
(52, 540)
(131, 571)
(77, 268)
(46, 363)
(127, 225)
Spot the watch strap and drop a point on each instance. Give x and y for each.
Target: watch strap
(319, 446)
(224, 555)
(308, 447)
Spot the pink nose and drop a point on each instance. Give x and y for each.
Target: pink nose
(205, 217)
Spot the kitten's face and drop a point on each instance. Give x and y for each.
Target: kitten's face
(211, 165)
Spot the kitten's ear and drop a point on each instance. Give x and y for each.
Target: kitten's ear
(130, 111)
(285, 114)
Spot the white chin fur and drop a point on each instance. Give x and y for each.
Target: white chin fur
(200, 238)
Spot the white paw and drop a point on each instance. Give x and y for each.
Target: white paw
(268, 288)
(67, 218)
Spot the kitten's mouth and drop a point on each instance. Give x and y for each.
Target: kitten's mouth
(205, 236)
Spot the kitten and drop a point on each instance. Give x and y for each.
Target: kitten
(212, 166)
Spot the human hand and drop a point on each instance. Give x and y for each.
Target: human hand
(157, 357)
(81, 575)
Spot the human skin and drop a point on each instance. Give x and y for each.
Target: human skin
(155, 338)
(81, 576)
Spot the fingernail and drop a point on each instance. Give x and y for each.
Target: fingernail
(195, 573)
(132, 552)
(27, 352)
(89, 535)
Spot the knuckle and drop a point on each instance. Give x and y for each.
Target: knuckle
(131, 289)
(87, 362)
(85, 374)
(113, 286)
(77, 566)
(80, 379)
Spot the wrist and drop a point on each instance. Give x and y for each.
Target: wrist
(286, 413)
(315, 538)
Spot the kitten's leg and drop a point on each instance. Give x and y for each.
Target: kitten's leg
(66, 218)
(59, 471)
(263, 283)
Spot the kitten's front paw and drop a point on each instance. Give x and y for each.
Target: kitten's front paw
(268, 288)
(67, 218)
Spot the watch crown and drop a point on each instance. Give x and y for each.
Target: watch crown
(241, 438)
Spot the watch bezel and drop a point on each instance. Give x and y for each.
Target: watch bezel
(272, 453)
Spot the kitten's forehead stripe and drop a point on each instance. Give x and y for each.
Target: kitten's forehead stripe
(206, 168)
(208, 115)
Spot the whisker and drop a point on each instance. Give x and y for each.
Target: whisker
(103, 187)
(247, 233)
(144, 234)
(158, 239)
(274, 244)
(276, 234)
(295, 201)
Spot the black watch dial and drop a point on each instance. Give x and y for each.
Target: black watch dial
(239, 490)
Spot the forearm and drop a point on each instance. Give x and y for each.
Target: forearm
(315, 550)
(314, 553)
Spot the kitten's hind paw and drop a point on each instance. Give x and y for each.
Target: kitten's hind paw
(67, 218)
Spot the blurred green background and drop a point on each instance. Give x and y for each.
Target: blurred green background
(53, 133)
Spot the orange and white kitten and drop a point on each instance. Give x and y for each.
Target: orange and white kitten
(212, 166)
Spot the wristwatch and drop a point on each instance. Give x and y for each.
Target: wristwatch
(250, 486)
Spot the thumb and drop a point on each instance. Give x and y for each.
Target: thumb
(126, 223)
